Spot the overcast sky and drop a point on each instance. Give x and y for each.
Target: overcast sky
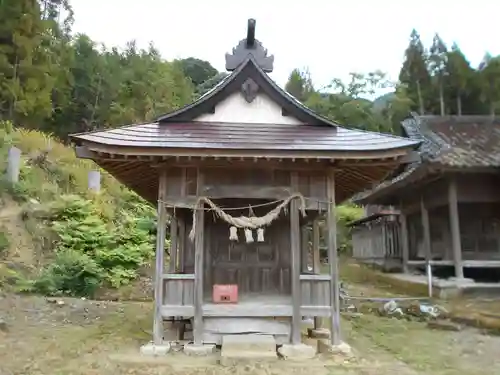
(330, 37)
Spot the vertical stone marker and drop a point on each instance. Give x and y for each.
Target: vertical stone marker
(95, 181)
(13, 164)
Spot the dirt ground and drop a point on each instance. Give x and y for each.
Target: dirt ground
(89, 337)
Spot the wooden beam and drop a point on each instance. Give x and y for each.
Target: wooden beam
(455, 228)
(247, 153)
(83, 152)
(198, 265)
(189, 201)
(159, 265)
(295, 259)
(174, 248)
(332, 259)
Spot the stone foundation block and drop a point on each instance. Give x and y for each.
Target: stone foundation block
(343, 349)
(297, 352)
(199, 350)
(154, 350)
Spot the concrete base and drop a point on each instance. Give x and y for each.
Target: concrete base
(237, 349)
(343, 349)
(449, 288)
(199, 350)
(297, 352)
(152, 350)
(318, 333)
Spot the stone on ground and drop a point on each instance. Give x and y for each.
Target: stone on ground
(297, 352)
(199, 350)
(247, 348)
(152, 350)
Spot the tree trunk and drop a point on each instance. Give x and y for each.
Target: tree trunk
(459, 104)
(420, 99)
(441, 98)
(492, 109)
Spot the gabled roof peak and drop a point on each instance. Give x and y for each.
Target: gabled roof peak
(250, 46)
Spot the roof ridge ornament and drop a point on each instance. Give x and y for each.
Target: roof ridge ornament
(250, 46)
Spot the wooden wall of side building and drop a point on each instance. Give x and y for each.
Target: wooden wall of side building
(479, 232)
(378, 242)
(478, 207)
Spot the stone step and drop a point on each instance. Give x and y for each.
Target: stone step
(247, 347)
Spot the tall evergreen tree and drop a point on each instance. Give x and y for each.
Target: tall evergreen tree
(460, 74)
(438, 63)
(414, 73)
(26, 83)
(489, 74)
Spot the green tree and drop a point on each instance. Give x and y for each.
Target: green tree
(26, 82)
(488, 75)
(299, 84)
(438, 64)
(197, 70)
(414, 73)
(460, 75)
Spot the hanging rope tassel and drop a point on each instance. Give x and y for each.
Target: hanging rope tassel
(233, 234)
(260, 235)
(248, 235)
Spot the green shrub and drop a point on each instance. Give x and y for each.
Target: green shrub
(70, 273)
(116, 250)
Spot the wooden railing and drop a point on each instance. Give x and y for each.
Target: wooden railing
(178, 289)
(178, 299)
(315, 295)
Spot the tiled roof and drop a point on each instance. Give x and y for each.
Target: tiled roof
(448, 141)
(468, 141)
(209, 135)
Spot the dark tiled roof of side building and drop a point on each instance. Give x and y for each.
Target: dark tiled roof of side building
(448, 142)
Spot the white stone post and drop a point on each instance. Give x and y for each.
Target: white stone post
(95, 181)
(13, 164)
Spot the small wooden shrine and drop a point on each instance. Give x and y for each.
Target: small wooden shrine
(241, 173)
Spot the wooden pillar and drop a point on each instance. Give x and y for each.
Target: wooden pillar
(316, 262)
(456, 242)
(181, 243)
(426, 230)
(427, 243)
(405, 245)
(304, 248)
(159, 266)
(198, 265)
(295, 259)
(315, 247)
(174, 248)
(332, 259)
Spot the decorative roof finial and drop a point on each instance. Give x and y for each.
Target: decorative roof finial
(250, 46)
(251, 33)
